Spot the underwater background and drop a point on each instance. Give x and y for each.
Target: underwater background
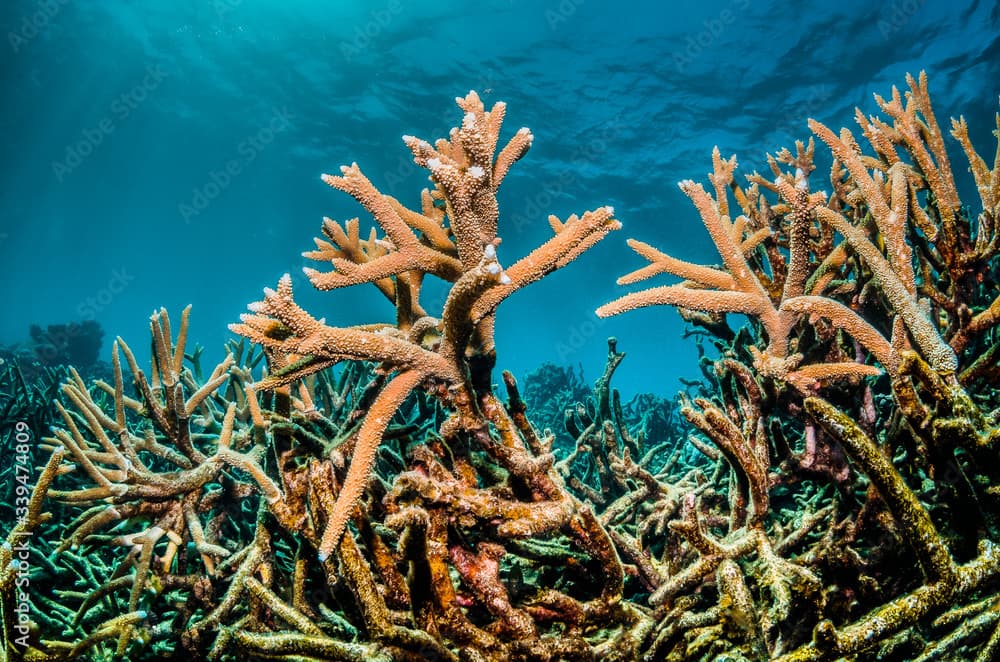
(802, 465)
(119, 120)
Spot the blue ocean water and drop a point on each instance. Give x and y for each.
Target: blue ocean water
(166, 153)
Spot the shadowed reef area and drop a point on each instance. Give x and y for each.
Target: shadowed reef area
(828, 490)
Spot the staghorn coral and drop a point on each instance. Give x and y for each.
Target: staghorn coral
(362, 493)
(887, 272)
(225, 509)
(456, 242)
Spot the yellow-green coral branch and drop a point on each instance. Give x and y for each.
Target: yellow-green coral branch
(914, 522)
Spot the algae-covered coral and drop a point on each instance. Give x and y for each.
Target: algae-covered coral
(350, 493)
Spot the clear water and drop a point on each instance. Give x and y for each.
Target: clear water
(120, 119)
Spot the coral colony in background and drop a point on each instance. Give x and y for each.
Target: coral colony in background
(377, 492)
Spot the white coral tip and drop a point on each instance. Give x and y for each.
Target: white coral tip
(493, 268)
(255, 306)
(490, 251)
(433, 164)
(476, 172)
(801, 183)
(504, 279)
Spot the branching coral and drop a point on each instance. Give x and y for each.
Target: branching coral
(355, 493)
(454, 486)
(456, 242)
(454, 237)
(888, 271)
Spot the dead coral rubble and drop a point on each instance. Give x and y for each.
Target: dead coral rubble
(362, 493)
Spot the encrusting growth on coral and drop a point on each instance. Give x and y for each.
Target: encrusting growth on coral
(826, 491)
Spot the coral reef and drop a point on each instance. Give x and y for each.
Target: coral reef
(170, 475)
(870, 368)
(76, 343)
(56, 346)
(354, 493)
(25, 406)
